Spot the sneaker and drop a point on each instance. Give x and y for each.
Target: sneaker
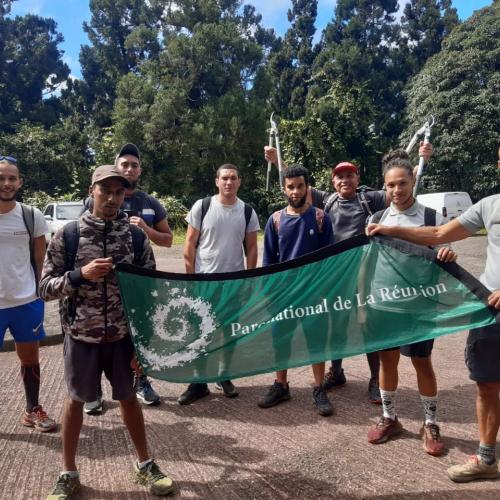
(94, 407)
(146, 393)
(65, 487)
(333, 379)
(38, 419)
(228, 387)
(193, 393)
(275, 395)
(473, 469)
(432, 440)
(384, 430)
(374, 392)
(321, 401)
(151, 475)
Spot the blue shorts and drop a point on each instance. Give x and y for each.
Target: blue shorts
(24, 322)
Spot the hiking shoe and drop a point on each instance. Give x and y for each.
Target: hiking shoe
(432, 440)
(65, 487)
(38, 419)
(374, 392)
(333, 379)
(151, 475)
(321, 401)
(473, 469)
(228, 387)
(193, 393)
(384, 430)
(275, 395)
(146, 393)
(94, 407)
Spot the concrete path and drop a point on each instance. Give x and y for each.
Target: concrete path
(230, 449)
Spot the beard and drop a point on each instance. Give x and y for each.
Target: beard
(297, 204)
(8, 197)
(133, 184)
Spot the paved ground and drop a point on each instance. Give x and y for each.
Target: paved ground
(230, 449)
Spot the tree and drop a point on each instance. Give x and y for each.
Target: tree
(291, 64)
(461, 86)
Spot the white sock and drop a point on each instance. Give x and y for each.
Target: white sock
(388, 403)
(430, 408)
(141, 465)
(70, 473)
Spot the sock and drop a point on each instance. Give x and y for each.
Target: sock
(31, 381)
(141, 465)
(389, 403)
(70, 473)
(374, 364)
(336, 365)
(486, 453)
(430, 408)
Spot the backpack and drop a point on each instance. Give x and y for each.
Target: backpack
(205, 205)
(429, 216)
(71, 235)
(29, 222)
(360, 194)
(320, 216)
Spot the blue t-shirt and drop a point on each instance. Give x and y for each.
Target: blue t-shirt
(298, 235)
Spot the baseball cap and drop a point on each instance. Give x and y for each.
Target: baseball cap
(343, 166)
(108, 172)
(128, 149)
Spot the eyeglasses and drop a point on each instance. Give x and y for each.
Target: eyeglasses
(8, 158)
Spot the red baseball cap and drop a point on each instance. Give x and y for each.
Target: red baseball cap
(343, 166)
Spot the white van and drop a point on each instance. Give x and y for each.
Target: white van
(449, 205)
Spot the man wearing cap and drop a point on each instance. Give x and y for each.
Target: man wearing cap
(22, 247)
(348, 208)
(146, 212)
(97, 338)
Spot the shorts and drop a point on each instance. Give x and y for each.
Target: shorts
(24, 322)
(482, 354)
(84, 363)
(421, 349)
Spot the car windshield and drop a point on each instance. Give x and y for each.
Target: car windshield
(68, 212)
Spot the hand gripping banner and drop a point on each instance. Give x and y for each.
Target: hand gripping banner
(358, 296)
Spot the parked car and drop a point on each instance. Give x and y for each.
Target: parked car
(59, 213)
(450, 204)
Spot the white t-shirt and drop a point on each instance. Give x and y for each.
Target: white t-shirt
(17, 278)
(220, 247)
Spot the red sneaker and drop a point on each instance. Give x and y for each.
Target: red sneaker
(384, 430)
(38, 419)
(432, 443)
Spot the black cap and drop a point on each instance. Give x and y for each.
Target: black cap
(129, 149)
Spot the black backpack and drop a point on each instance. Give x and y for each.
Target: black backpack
(429, 216)
(360, 194)
(71, 235)
(205, 205)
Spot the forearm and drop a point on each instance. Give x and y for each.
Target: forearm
(189, 258)
(252, 258)
(425, 235)
(159, 238)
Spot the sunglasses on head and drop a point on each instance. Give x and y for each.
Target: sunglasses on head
(8, 158)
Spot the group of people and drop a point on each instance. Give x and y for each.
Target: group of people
(117, 225)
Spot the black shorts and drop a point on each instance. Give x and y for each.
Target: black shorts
(421, 349)
(482, 354)
(85, 362)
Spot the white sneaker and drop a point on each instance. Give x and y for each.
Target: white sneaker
(94, 407)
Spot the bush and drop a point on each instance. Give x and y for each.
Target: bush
(176, 210)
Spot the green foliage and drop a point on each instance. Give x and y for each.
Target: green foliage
(460, 86)
(176, 210)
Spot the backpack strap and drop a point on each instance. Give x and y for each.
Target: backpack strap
(29, 221)
(138, 201)
(138, 238)
(71, 236)
(363, 201)
(331, 200)
(429, 216)
(205, 205)
(320, 217)
(377, 216)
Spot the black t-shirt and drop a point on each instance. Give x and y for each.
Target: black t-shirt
(348, 216)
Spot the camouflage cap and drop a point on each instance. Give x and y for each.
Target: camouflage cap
(108, 172)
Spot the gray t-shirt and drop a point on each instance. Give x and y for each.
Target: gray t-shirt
(220, 248)
(348, 215)
(486, 213)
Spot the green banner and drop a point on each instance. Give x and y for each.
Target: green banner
(354, 297)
